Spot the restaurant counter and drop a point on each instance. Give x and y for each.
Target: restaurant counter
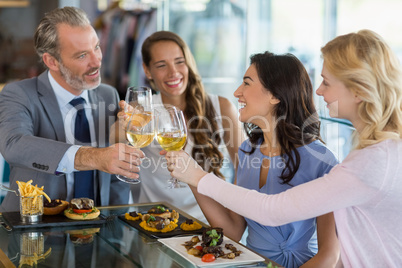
(115, 243)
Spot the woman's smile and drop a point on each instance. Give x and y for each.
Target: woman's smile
(174, 83)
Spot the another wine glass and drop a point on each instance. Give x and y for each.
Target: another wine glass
(171, 134)
(140, 124)
(137, 97)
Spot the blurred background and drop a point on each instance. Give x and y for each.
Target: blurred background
(222, 35)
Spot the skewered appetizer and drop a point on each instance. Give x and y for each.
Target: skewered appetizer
(160, 211)
(160, 219)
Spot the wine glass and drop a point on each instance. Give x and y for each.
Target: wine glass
(171, 134)
(140, 124)
(137, 97)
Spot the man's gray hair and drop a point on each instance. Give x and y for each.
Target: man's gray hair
(46, 36)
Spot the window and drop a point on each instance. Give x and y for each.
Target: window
(223, 34)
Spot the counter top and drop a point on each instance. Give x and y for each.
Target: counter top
(114, 244)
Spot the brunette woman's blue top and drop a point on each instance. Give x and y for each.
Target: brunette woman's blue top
(295, 243)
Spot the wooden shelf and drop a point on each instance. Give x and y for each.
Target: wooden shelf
(14, 3)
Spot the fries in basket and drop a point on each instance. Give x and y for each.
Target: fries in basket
(31, 198)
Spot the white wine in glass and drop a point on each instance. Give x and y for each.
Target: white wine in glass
(171, 134)
(140, 129)
(139, 140)
(140, 125)
(172, 141)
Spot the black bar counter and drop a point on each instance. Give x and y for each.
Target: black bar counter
(109, 243)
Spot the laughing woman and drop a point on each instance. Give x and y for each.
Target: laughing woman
(284, 150)
(213, 128)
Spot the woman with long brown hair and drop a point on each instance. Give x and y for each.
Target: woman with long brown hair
(277, 109)
(211, 120)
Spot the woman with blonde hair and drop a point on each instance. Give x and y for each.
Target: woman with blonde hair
(362, 82)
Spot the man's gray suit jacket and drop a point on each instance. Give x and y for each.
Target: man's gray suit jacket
(33, 141)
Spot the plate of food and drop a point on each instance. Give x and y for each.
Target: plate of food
(211, 248)
(79, 211)
(161, 222)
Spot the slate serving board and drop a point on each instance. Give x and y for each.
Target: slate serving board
(13, 219)
(176, 232)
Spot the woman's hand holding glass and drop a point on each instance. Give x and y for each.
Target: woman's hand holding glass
(171, 134)
(186, 169)
(140, 124)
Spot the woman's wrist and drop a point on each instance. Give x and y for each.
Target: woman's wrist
(198, 177)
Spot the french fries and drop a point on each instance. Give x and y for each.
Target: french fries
(31, 198)
(34, 259)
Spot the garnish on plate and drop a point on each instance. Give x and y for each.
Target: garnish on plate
(212, 237)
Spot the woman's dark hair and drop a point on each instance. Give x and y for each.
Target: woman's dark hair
(297, 120)
(199, 111)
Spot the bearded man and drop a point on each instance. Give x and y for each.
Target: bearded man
(55, 128)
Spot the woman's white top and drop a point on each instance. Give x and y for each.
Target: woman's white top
(154, 173)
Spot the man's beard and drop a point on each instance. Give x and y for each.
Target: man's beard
(77, 82)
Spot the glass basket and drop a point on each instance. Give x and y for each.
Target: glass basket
(31, 208)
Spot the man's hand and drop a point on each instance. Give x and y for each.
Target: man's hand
(119, 158)
(122, 114)
(183, 167)
(118, 129)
